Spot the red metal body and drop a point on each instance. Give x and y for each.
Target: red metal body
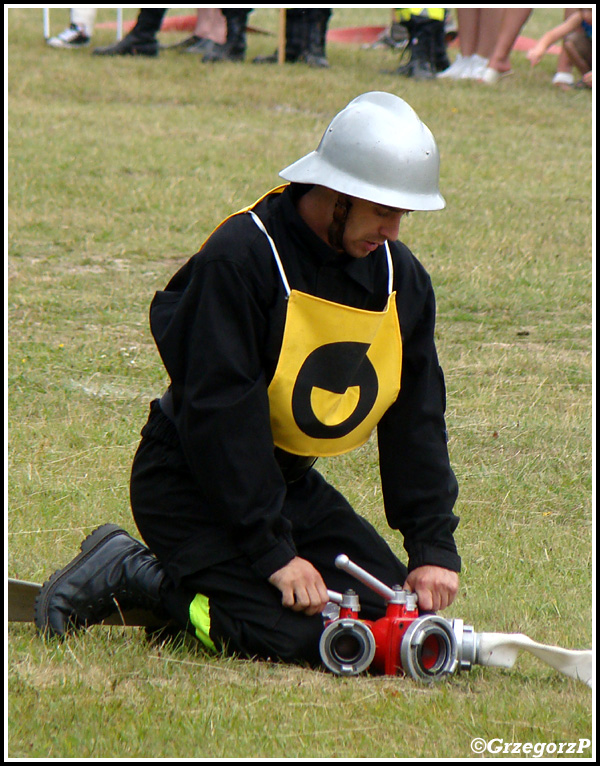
(388, 632)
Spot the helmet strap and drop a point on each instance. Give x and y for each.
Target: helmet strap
(335, 233)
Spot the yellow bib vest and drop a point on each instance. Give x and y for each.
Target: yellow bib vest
(338, 370)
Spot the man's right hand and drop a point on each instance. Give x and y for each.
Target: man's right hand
(301, 586)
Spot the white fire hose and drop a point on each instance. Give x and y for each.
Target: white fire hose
(500, 650)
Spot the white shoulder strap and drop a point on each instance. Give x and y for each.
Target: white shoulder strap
(390, 268)
(261, 226)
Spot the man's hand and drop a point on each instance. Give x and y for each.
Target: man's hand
(302, 587)
(435, 587)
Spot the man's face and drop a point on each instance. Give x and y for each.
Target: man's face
(369, 225)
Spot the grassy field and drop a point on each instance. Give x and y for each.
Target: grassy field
(117, 171)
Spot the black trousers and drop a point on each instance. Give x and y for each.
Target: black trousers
(148, 23)
(246, 614)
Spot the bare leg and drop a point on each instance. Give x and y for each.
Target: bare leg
(489, 29)
(563, 78)
(579, 50)
(211, 25)
(468, 29)
(512, 22)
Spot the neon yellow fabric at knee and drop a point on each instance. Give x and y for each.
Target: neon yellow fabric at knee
(200, 619)
(435, 14)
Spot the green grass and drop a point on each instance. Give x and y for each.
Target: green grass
(117, 171)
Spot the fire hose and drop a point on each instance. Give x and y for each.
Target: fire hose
(426, 647)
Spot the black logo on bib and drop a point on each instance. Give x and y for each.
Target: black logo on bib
(335, 368)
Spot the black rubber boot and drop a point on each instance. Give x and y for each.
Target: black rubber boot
(113, 571)
(422, 50)
(129, 46)
(141, 40)
(234, 48)
(315, 55)
(296, 39)
(440, 50)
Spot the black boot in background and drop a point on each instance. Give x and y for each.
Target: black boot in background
(318, 19)
(296, 38)
(113, 571)
(440, 47)
(234, 47)
(421, 65)
(141, 40)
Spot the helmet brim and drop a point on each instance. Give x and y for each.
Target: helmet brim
(314, 169)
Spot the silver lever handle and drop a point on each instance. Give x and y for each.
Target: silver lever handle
(343, 562)
(334, 596)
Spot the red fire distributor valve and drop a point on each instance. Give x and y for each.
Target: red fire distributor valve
(401, 642)
(425, 647)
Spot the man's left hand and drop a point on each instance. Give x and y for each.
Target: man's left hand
(435, 587)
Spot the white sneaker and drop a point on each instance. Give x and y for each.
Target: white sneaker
(476, 68)
(72, 37)
(563, 78)
(493, 76)
(455, 69)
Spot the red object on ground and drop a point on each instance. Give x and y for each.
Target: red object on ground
(354, 34)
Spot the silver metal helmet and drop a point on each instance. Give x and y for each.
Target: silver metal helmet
(376, 149)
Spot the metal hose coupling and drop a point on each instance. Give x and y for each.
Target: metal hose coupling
(347, 647)
(424, 647)
(429, 650)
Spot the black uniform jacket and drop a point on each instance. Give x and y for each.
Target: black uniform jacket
(219, 325)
